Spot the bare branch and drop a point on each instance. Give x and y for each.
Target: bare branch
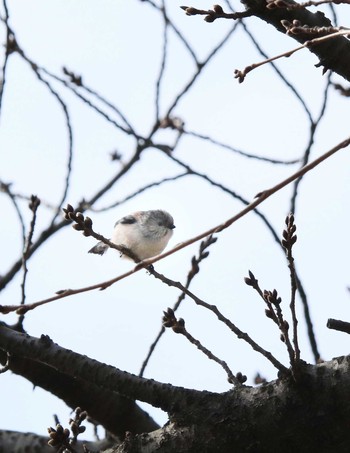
(44, 350)
(178, 326)
(33, 206)
(289, 239)
(139, 191)
(336, 324)
(260, 198)
(216, 13)
(196, 260)
(240, 75)
(239, 333)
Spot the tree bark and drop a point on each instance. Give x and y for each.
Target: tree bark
(306, 414)
(333, 54)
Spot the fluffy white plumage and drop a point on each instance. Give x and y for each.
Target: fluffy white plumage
(144, 233)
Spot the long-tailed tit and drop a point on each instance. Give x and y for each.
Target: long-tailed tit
(144, 233)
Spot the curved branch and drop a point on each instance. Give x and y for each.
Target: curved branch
(259, 198)
(114, 412)
(44, 351)
(334, 54)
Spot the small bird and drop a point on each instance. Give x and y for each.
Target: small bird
(144, 233)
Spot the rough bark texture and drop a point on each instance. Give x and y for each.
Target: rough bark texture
(15, 442)
(333, 54)
(116, 413)
(308, 414)
(282, 416)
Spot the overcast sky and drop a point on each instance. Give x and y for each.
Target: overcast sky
(117, 49)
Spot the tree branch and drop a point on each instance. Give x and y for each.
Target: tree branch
(43, 350)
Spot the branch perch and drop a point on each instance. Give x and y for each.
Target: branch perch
(259, 198)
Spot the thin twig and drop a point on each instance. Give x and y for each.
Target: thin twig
(8, 51)
(336, 324)
(216, 13)
(138, 192)
(163, 62)
(237, 151)
(273, 312)
(288, 242)
(127, 130)
(26, 198)
(200, 67)
(6, 188)
(295, 5)
(33, 206)
(85, 204)
(77, 82)
(278, 72)
(260, 198)
(239, 333)
(178, 326)
(196, 260)
(64, 108)
(313, 129)
(310, 329)
(240, 75)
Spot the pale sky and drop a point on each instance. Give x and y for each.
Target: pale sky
(117, 50)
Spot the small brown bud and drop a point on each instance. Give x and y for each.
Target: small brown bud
(189, 10)
(209, 18)
(34, 203)
(88, 222)
(218, 9)
(268, 313)
(247, 281)
(179, 326)
(241, 377)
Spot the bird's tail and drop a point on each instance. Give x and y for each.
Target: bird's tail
(99, 249)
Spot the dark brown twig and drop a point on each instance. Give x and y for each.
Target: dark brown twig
(273, 312)
(273, 302)
(289, 239)
(238, 151)
(178, 326)
(216, 13)
(239, 333)
(9, 49)
(33, 206)
(139, 191)
(240, 75)
(196, 260)
(6, 188)
(336, 324)
(260, 198)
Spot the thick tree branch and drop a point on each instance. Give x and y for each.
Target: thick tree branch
(12, 441)
(334, 54)
(44, 351)
(341, 326)
(275, 417)
(114, 412)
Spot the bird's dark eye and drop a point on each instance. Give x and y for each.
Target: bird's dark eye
(127, 219)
